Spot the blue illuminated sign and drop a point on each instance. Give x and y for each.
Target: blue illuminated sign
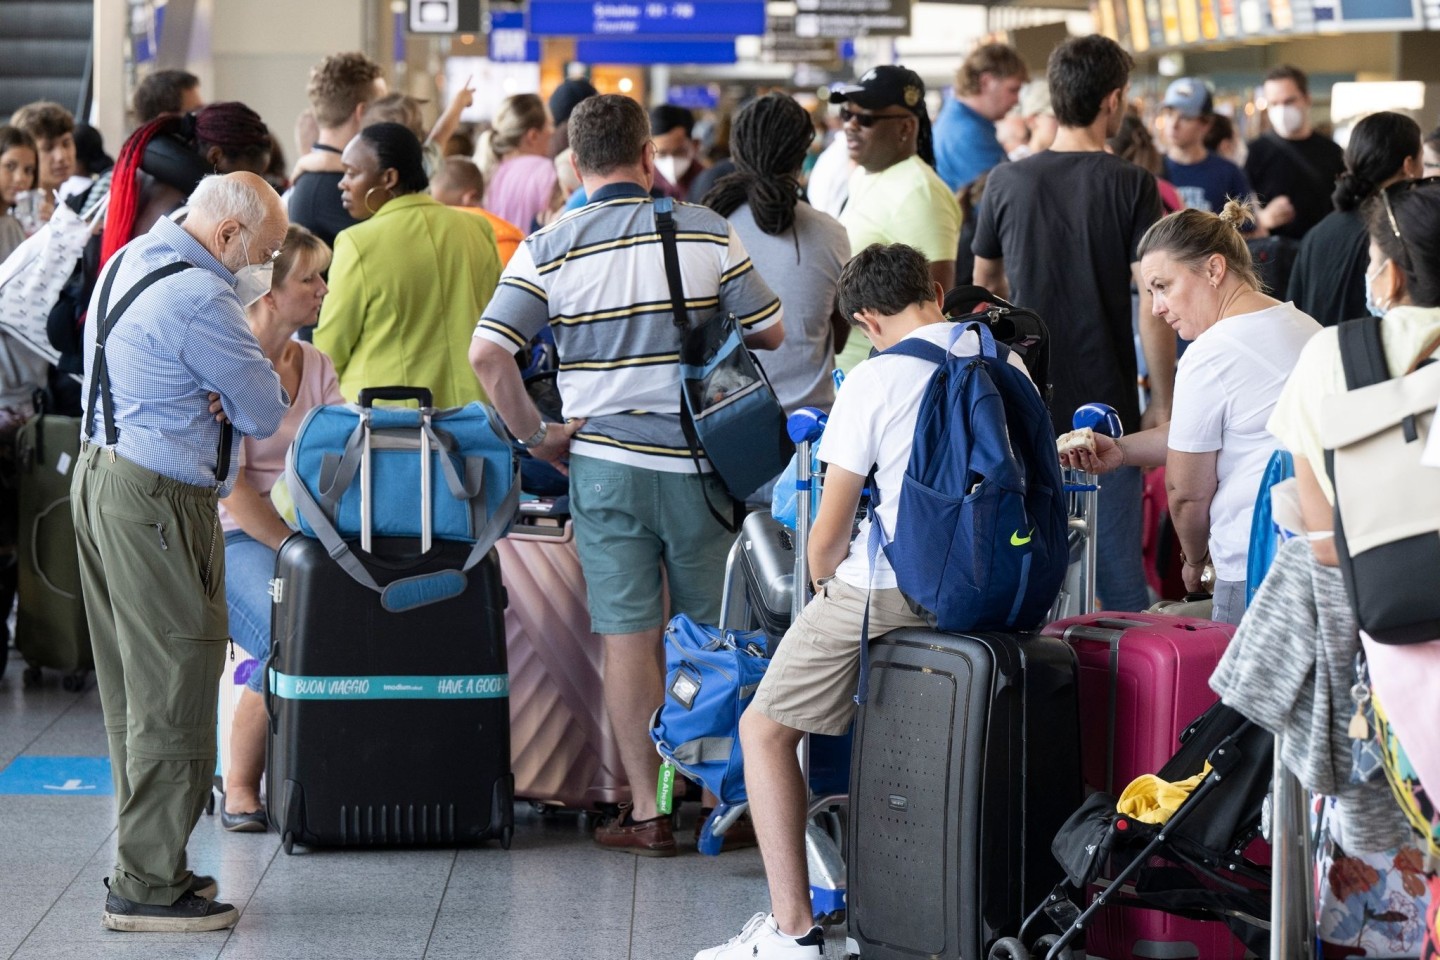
(641, 52)
(509, 43)
(647, 18)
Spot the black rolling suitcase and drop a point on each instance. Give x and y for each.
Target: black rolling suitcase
(966, 763)
(387, 727)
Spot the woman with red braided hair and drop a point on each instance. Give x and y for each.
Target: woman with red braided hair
(159, 165)
(163, 161)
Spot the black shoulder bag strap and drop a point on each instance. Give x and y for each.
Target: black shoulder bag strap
(1362, 353)
(100, 368)
(665, 226)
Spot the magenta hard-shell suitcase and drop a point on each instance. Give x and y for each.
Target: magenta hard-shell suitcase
(1151, 673)
(563, 752)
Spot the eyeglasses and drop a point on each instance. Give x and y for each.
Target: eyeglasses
(867, 120)
(267, 256)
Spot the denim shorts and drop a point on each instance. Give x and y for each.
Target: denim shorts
(628, 522)
(249, 566)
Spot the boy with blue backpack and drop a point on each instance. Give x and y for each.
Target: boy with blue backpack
(811, 684)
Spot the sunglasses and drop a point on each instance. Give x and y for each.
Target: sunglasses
(867, 120)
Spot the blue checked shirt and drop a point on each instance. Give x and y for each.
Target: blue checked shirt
(181, 339)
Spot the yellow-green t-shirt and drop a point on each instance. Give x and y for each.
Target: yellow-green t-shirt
(907, 203)
(1295, 421)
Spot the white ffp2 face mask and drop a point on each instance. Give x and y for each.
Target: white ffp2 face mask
(1286, 119)
(673, 168)
(252, 281)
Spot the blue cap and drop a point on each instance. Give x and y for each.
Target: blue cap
(1190, 96)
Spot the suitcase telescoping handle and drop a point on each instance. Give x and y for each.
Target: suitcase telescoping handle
(427, 520)
(369, 395)
(805, 427)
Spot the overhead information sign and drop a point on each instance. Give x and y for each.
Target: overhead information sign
(655, 51)
(649, 18)
(1368, 15)
(509, 43)
(852, 18)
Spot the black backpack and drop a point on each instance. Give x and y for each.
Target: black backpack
(1019, 329)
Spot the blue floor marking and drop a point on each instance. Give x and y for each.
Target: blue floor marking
(58, 777)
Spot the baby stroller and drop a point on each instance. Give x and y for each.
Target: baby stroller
(1194, 865)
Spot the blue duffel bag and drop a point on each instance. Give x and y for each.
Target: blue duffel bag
(710, 678)
(432, 475)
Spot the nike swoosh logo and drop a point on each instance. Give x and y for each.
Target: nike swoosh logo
(1017, 541)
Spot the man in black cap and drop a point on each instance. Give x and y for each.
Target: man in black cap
(895, 194)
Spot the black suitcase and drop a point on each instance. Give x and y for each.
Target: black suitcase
(387, 727)
(966, 762)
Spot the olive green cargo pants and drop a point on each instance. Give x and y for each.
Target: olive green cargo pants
(152, 565)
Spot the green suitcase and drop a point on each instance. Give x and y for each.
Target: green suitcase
(50, 627)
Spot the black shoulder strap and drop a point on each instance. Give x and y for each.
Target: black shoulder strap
(665, 225)
(100, 369)
(1362, 352)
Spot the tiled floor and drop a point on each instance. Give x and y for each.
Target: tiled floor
(553, 894)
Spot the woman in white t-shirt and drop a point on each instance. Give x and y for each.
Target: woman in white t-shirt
(1216, 445)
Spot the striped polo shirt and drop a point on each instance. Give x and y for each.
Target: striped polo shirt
(597, 277)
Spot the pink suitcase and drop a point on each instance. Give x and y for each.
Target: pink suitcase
(562, 750)
(1160, 667)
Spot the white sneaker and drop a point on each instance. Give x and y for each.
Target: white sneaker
(761, 939)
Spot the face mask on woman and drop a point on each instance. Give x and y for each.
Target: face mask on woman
(1371, 303)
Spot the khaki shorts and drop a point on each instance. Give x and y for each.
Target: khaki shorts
(810, 685)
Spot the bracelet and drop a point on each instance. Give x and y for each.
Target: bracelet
(1121, 447)
(1194, 563)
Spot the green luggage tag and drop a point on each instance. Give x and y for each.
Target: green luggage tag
(665, 789)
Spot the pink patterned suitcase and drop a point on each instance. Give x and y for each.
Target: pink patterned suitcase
(1157, 669)
(562, 750)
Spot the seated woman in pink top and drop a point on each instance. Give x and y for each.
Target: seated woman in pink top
(253, 528)
(521, 183)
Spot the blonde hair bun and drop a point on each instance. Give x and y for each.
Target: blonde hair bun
(1237, 214)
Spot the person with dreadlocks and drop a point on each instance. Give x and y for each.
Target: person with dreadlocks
(797, 250)
(895, 194)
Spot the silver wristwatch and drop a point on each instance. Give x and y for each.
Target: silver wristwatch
(535, 439)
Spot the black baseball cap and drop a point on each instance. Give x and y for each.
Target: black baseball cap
(884, 86)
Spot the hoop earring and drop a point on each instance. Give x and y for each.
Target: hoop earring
(366, 201)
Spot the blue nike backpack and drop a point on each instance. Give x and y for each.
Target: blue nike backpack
(980, 539)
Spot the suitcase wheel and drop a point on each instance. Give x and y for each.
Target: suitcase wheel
(287, 843)
(1009, 948)
(506, 835)
(31, 677)
(74, 682)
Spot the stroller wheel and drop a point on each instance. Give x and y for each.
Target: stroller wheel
(1009, 948)
(1044, 945)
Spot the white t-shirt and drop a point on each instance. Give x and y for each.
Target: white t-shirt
(1225, 387)
(873, 424)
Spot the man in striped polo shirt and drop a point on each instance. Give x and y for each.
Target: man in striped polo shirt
(597, 277)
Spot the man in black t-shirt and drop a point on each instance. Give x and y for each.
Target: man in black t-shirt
(1059, 233)
(1293, 161)
(341, 86)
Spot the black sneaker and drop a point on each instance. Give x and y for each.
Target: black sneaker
(189, 914)
(203, 886)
